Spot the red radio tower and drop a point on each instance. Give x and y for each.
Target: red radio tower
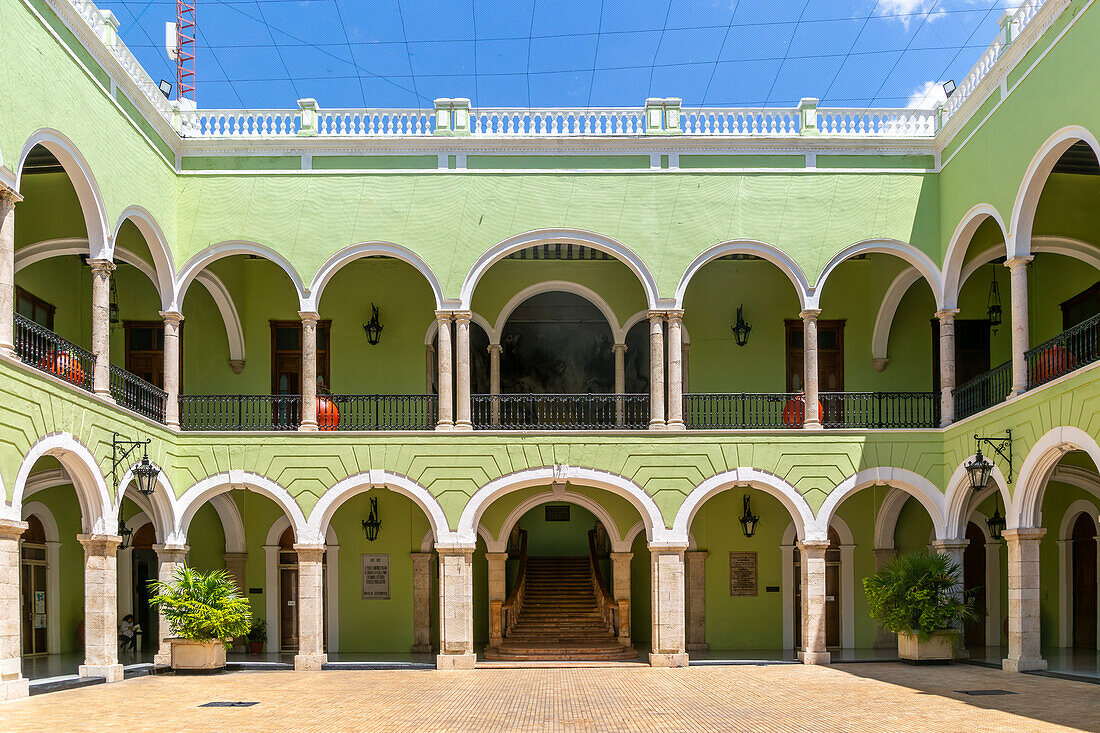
(185, 49)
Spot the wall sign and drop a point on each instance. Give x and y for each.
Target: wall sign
(742, 573)
(376, 577)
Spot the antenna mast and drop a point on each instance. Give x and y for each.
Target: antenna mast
(185, 50)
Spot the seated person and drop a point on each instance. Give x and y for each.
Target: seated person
(127, 633)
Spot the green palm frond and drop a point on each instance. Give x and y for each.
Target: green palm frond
(202, 606)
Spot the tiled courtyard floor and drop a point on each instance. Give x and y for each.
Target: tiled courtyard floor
(858, 697)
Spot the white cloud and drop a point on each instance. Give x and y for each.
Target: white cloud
(927, 96)
(909, 10)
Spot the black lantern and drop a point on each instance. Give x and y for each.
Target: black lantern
(741, 328)
(112, 305)
(748, 519)
(373, 327)
(144, 472)
(125, 533)
(994, 311)
(372, 523)
(979, 470)
(145, 475)
(996, 523)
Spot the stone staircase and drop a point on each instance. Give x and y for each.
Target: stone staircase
(559, 619)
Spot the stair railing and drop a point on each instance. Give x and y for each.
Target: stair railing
(609, 609)
(514, 604)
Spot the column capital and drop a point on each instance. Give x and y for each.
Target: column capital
(1018, 261)
(1024, 534)
(495, 348)
(950, 544)
(945, 314)
(101, 265)
(99, 544)
(813, 546)
(618, 348)
(444, 315)
(9, 196)
(171, 553)
(11, 529)
(668, 548)
(171, 316)
(230, 555)
(462, 315)
(309, 316)
(309, 553)
(675, 313)
(622, 556)
(420, 556)
(656, 315)
(809, 314)
(456, 549)
(496, 556)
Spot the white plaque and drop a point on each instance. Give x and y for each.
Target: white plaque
(40, 601)
(376, 577)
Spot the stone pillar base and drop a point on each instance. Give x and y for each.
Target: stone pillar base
(421, 649)
(668, 660)
(307, 427)
(14, 689)
(109, 672)
(455, 661)
(699, 647)
(676, 425)
(309, 662)
(463, 426)
(162, 660)
(814, 657)
(1024, 665)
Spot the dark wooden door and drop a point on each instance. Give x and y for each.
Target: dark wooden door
(830, 355)
(971, 350)
(1084, 583)
(974, 581)
(288, 593)
(145, 350)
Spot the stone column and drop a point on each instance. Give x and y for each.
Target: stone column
(456, 608)
(445, 380)
(170, 558)
(124, 566)
(462, 364)
(814, 650)
(101, 326)
(675, 370)
(1017, 269)
(234, 565)
(494, 382)
(667, 648)
(311, 609)
(1023, 600)
(309, 370)
(8, 200)
(696, 600)
(172, 323)
(954, 549)
(430, 366)
(620, 591)
(619, 351)
(12, 682)
(809, 366)
(422, 605)
(947, 365)
(497, 595)
(685, 353)
(656, 370)
(100, 607)
(884, 639)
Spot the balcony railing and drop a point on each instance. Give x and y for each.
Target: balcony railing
(560, 411)
(889, 410)
(240, 412)
(134, 393)
(379, 412)
(743, 410)
(1069, 350)
(43, 349)
(983, 391)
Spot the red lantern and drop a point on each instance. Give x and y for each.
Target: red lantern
(63, 364)
(794, 414)
(328, 416)
(1052, 363)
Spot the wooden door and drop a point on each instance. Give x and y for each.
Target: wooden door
(288, 593)
(832, 594)
(974, 582)
(830, 355)
(1084, 583)
(145, 350)
(286, 356)
(971, 350)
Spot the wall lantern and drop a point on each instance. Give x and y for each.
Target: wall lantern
(980, 469)
(373, 327)
(996, 523)
(994, 311)
(145, 473)
(748, 519)
(741, 328)
(125, 533)
(372, 523)
(112, 305)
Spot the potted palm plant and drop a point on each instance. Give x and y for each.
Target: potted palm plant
(919, 597)
(205, 612)
(257, 635)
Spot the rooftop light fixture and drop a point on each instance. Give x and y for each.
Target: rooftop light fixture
(165, 88)
(748, 519)
(372, 523)
(980, 469)
(741, 328)
(949, 87)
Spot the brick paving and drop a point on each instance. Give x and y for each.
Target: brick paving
(858, 697)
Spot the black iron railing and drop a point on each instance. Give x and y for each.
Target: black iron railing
(378, 412)
(983, 391)
(240, 412)
(880, 409)
(560, 411)
(1069, 350)
(743, 410)
(45, 350)
(134, 393)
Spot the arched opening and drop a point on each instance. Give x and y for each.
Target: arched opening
(34, 589)
(975, 580)
(1084, 582)
(833, 608)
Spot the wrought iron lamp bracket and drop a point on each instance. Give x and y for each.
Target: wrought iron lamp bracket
(120, 451)
(1000, 446)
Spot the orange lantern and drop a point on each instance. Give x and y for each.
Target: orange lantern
(794, 413)
(328, 416)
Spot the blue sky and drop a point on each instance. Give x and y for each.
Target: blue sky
(580, 53)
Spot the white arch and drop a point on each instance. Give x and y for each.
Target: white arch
(550, 286)
(788, 495)
(159, 250)
(915, 257)
(923, 490)
(1037, 468)
(370, 249)
(320, 517)
(83, 182)
(53, 571)
(227, 249)
(332, 580)
(475, 317)
(884, 320)
(160, 506)
(961, 500)
(49, 524)
(633, 532)
(957, 247)
(559, 474)
(232, 522)
(643, 315)
(843, 532)
(500, 544)
(1035, 179)
(762, 250)
(220, 483)
(1066, 584)
(1081, 506)
(616, 249)
(886, 520)
(81, 467)
(39, 251)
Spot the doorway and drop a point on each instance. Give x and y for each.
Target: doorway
(288, 593)
(1084, 582)
(33, 617)
(832, 593)
(974, 580)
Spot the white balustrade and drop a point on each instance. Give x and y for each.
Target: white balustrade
(374, 123)
(556, 122)
(877, 122)
(743, 121)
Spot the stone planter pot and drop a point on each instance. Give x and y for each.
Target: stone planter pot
(197, 656)
(939, 649)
